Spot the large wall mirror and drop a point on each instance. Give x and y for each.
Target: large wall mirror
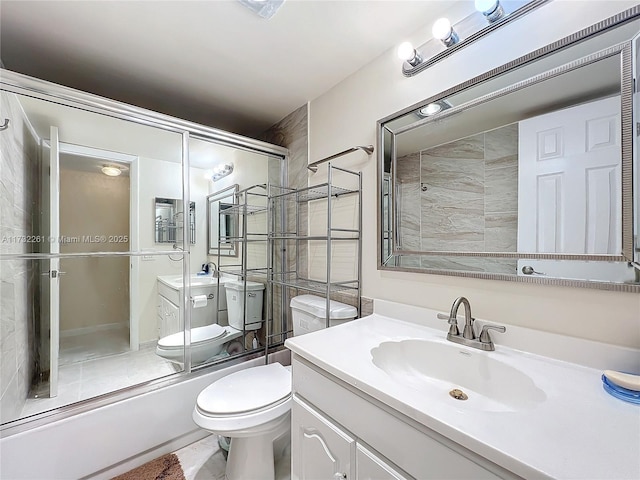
(524, 173)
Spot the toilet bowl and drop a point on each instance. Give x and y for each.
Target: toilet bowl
(206, 343)
(253, 406)
(211, 340)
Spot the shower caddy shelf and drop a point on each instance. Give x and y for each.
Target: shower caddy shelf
(299, 199)
(248, 205)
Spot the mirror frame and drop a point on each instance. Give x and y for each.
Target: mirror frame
(230, 250)
(387, 260)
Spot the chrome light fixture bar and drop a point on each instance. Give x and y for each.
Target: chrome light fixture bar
(448, 38)
(221, 171)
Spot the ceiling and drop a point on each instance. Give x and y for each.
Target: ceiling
(213, 62)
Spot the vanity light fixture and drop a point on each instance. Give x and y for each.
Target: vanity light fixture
(487, 16)
(111, 170)
(221, 171)
(443, 31)
(491, 9)
(409, 54)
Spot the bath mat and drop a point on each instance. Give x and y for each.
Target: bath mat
(166, 467)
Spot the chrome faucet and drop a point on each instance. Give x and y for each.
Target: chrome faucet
(215, 273)
(468, 337)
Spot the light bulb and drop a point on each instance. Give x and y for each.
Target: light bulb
(430, 109)
(409, 54)
(441, 29)
(406, 51)
(491, 9)
(486, 6)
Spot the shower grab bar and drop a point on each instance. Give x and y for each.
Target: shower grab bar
(368, 149)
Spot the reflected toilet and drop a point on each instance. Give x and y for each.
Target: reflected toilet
(253, 406)
(211, 340)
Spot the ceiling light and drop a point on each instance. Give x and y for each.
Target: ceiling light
(409, 54)
(264, 8)
(491, 9)
(111, 171)
(221, 171)
(443, 31)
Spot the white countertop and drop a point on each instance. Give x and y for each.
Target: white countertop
(579, 431)
(175, 281)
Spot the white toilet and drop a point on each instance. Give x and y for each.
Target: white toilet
(253, 406)
(211, 340)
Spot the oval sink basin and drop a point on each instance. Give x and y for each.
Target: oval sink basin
(439, 368)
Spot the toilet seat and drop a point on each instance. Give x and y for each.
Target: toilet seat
(198, 335)
(246, 401)
(206, 343)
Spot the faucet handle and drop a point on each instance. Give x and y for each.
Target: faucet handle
(452, 321)
(484, 333)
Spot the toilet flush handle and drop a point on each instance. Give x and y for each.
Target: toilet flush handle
(339, 475)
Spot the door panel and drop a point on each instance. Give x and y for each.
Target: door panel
(569, 171)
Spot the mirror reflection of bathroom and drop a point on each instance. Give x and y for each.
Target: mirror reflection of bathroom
(80, 200)
(170, 220)
(228, 303)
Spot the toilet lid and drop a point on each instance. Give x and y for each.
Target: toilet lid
(250, 389)
(198, 335)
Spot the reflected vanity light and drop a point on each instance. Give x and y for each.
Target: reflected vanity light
(433, 108)
(111, 171)
(221, 171)
(443, 31)
(491, 9)
(448, 38)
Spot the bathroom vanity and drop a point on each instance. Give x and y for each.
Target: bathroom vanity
(371, 400)
(170, 314)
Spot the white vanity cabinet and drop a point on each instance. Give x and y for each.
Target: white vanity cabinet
(320, 448)
(170, 315)
(339, 432)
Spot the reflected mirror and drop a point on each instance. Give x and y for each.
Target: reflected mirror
(222, 227)
(525, 174)
(169, 220)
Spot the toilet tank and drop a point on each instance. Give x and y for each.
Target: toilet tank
(235, 291)
(309, 313)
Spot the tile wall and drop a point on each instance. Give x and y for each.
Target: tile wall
(462, 196)
(19, 174)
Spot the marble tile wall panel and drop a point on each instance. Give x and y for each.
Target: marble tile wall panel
(452, 205)
(19, 171)
(501, 189)
(292, 133)
(468, 194)
(408, 188)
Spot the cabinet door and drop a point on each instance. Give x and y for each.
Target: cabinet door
(370, 466)
(319, 449)
(170, 318)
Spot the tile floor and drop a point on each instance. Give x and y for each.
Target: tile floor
(203, 460)
(89, 346)
(82, 380)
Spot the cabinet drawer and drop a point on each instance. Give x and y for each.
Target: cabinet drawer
(421, 454)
